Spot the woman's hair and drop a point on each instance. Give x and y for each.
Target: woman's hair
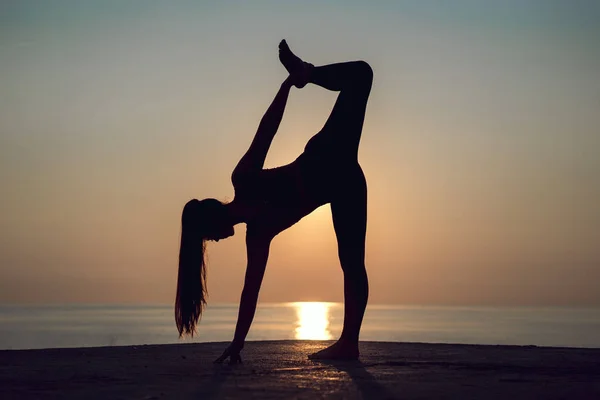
(196, 221)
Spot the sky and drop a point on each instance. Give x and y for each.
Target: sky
(480, 146)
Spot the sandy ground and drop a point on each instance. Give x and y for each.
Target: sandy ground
(280, 369)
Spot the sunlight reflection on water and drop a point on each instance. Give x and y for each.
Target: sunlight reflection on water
(81, 325)
(313, 321)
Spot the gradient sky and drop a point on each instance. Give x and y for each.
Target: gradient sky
(481, 146)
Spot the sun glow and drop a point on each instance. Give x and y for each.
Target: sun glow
(316, 232)
(313, 321)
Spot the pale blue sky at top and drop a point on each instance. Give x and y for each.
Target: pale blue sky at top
(480, 146)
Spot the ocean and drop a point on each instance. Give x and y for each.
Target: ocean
(56, 326)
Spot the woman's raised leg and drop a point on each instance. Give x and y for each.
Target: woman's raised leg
(353, 80)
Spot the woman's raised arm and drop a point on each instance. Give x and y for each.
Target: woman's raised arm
(254, 158)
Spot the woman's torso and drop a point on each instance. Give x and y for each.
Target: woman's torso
(280, 197)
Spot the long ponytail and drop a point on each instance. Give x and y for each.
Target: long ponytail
(191, 278)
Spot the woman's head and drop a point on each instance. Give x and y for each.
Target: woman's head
(209, 218)
(201, 220)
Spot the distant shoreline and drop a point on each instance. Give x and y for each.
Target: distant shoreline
(91, 326)
(280, 369)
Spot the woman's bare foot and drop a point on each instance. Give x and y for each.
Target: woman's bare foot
(297, 68)
(340, 350)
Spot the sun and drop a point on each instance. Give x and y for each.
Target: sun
(313, 321)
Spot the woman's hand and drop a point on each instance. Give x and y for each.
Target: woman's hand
(299, 78)
(289, 82)
(232, 352)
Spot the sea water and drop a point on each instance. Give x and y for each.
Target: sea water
(51, 326)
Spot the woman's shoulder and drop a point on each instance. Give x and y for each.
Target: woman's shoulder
(257, 230)
(240, 177)
(247, 177)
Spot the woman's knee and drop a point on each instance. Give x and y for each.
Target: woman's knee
(355, 270)
(364, 70)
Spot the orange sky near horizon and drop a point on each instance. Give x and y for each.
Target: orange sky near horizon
(480, 147)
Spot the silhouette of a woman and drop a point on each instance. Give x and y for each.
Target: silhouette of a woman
(272, 200)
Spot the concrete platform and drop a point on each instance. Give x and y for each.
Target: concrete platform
(280, 369)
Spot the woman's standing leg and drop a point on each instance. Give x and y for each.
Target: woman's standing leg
(341, 137)
(349, 211)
